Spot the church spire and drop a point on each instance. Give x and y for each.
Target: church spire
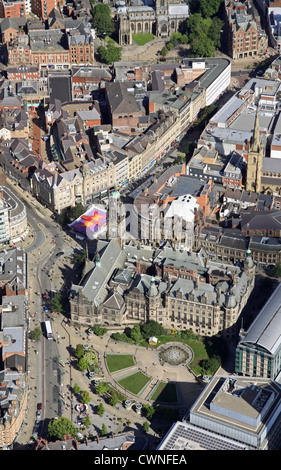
(255, 141)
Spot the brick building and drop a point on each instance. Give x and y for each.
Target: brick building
(124, 108)
(22, 73)
(42, 8)
(40, 48)
(12, 9)
(88, 79)
(245, 35)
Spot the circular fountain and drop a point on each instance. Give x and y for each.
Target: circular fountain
(175, 354)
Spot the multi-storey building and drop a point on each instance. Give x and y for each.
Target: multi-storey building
(42, 8)
(182, 303)
(13, 346)
(246, 38)
(13, 8)
(4, 221)
(85, 80)
(13, 216)
(81, 48)
(13, 275)
(14, 404)
(244, 409)
(40, 48)
(125, 109)
(59, 190)
(22, 73)
(258, 353)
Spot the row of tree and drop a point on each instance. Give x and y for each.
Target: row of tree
(105, 28)
(202, 30)
(87, 359)
(204, 35)
(140, 332)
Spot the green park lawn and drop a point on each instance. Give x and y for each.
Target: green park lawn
(134, 383)
(119, 361)
(165, 392)
(200, 353)
(142, 39)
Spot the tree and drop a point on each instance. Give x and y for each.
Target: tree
(76, 389)
(110, 53)
(209, 8)
(57, 303)
(276, 271)
(210, 366)
(80, 258)
(102, 388)
(149, 410)
(85, 397)
(100, 409)
(76, 211)
(152, 328)
(79, 351)
(82, 364)
(101, 8)
(194, 26)
(98, 330)
(113, 400)
(202, 46)
(164, 51)
(136, 334)
(91, 358)
(102, 21)
(214, 32)
(145, 426)
(184, 39)
(35, 334)
(69, 214)
(104, 430)
(103, 24)
(87, 421)
(58, 428)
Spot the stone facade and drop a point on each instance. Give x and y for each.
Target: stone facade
(112, 295)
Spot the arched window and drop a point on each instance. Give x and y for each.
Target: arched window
(139, 26)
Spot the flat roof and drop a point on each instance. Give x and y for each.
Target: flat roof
(265, 331)
(243, 409)
(185, 436)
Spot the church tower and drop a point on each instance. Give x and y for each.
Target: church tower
(161, 7)
(125, 31)
(116, 218)
(255, 157)
(162, 18)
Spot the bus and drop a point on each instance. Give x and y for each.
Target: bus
(48, 329)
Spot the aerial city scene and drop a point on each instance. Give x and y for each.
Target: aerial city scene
(140, 226)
